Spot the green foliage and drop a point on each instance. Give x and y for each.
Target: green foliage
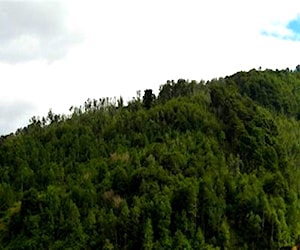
(203, 166)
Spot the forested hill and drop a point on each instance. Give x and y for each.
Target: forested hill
(202, 165)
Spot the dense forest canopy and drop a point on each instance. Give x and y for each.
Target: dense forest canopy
(202, 165)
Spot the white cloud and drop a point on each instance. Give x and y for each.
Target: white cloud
(14, 113)
(133, 45)
(31, 30)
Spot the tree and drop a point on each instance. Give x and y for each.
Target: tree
(148, 98)
(148, 235)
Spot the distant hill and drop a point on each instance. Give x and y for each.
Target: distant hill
(203, 165)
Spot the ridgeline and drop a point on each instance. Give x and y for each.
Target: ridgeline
(203, 165)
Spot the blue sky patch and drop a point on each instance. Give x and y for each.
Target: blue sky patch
(294, 26)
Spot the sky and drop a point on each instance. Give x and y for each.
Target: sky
(57, 54)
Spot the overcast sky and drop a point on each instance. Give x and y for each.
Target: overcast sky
(56, 54)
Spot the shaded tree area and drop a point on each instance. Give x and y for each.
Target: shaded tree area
(210, 165)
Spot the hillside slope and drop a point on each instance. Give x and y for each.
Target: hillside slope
(201, 166)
